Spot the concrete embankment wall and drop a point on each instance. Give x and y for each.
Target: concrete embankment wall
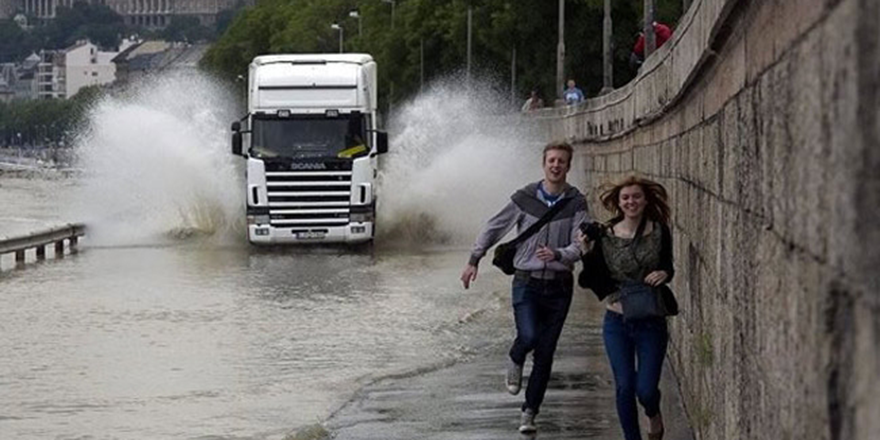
(761, 118)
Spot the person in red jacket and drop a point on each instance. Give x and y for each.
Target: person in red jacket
(662, 33)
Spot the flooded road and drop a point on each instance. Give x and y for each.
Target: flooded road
(199, 340)
(167, 325)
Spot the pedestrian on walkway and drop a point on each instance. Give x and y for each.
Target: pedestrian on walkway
(572, 94)
(662, 34)
(542, 282)
(634, 249)
(533, 103)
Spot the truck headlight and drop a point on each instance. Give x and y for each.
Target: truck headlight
(258, 219)
(361, 217)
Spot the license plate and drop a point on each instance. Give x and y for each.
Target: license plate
(311, 235)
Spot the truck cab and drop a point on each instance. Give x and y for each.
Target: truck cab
(311, 143)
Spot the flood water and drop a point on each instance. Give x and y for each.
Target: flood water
(199, 340)
(168, 325)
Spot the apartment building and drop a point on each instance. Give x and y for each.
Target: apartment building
(149, 13)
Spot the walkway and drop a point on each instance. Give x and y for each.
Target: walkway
(467, 401)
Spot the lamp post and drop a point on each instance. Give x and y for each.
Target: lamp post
(470, 17)
(650, 40)
(560, 52)
(392, 10)
(357, 15)
(391, 84)
(341, 33)
(606, 51)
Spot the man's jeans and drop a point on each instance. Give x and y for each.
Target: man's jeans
(646, 340)
(539, 308)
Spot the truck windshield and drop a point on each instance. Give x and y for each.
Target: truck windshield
(309, 137)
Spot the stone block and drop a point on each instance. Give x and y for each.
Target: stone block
(684, 156)
(600, 163)
(613, 163)
(840, 99)
(810, 152)
(693, 108)
(751, 158)
(759, 21)
(728, 151)
(775, 143)
(710, 157)
(793, 20)
(626, 162)
(728, 74)
(687, 53)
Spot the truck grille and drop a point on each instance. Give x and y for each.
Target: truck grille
(309, 199)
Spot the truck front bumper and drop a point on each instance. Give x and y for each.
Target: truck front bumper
(352, 233)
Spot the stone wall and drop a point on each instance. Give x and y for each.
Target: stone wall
(761, 118)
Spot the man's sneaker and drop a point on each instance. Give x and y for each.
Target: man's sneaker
(527, 421)
(514, 377)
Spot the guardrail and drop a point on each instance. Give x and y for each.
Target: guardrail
(40, 239)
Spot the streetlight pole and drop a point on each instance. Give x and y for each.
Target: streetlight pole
(513, 75)
(560, 51)
(392, 10)
(391, 83)
(650, 40)
(469, 26)
(606, 51)
(357, 15)
(341, 32)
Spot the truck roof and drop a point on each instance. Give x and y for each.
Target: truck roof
(316, 58)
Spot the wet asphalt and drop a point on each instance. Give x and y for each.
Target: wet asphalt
(467, 400)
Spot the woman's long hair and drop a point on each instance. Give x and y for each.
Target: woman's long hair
(657, 208)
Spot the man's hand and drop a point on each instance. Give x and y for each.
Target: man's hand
(656, 277)
(545, 254)
(468, 275)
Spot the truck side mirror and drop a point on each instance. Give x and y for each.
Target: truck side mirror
(236, 138)
(381, 142)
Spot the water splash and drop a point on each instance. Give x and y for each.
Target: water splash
(455, 157)
(157, 164)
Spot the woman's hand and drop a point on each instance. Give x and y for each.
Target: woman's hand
(656, 277)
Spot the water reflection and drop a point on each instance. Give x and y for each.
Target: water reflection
(193, 340)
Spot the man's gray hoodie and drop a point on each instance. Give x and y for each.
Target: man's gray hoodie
(525, 208)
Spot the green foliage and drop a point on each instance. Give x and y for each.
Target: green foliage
(186, 28)
(440, 26)
(45, 121)
(95, 22)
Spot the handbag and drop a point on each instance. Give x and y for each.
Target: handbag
(505, 252)
(640, 301)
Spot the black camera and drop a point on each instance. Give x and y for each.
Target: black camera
(593, 230)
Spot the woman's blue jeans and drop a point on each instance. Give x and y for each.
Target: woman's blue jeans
(539, 309)
(636, 350)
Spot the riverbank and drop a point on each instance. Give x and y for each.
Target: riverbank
(467, 400)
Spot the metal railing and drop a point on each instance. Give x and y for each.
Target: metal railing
(40, 239)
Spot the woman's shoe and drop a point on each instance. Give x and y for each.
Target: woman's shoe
(657, 435)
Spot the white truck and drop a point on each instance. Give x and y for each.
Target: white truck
(311, 143)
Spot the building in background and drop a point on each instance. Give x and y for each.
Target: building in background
(48, 76)
(83, 64)
(7, 8)
(149, 13)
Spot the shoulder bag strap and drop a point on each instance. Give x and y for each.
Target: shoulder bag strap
(531, 230)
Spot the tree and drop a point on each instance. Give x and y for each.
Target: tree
(499, 26)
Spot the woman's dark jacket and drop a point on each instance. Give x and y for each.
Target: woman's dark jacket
(596, 276)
